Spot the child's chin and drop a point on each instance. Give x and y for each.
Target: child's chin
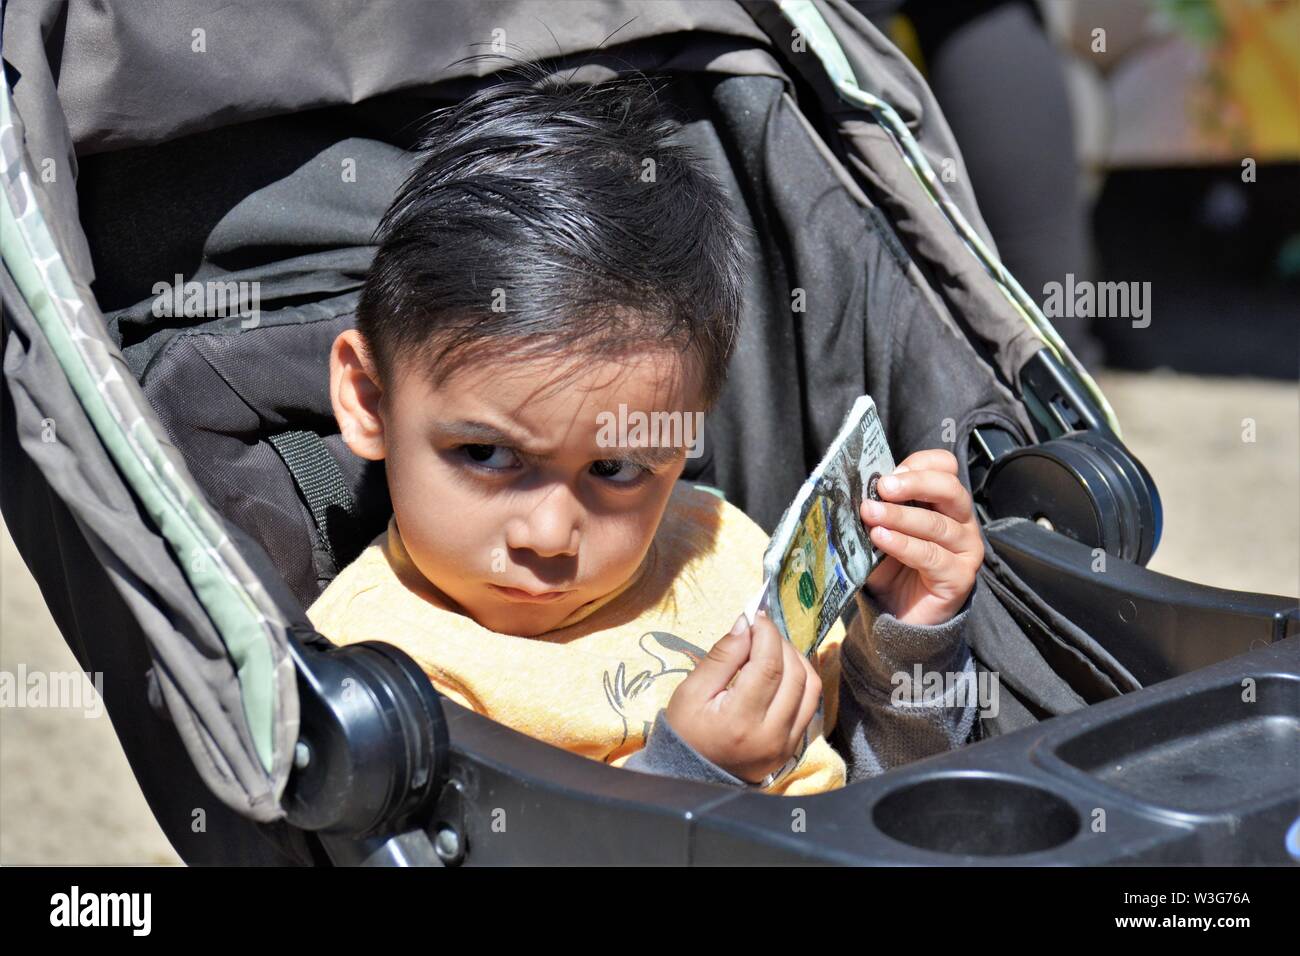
(520, 621)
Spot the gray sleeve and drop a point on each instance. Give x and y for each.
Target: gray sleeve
(886, 716)
(667, 755)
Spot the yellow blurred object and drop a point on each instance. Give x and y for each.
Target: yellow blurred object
(1254, 78)
(903, 35)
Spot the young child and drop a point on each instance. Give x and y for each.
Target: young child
(531, 281)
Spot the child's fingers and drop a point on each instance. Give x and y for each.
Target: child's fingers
(717, 668)
(884, 574)
(930, 459)
(784, 707)
(941, 489)
(761, 676)
(812, 696)
(917, 523)
(937, 563)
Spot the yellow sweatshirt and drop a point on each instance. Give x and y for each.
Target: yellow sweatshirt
(595, 684)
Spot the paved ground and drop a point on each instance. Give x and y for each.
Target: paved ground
(1232, 507)
(1232, 518)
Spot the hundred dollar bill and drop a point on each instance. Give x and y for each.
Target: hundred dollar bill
(820, 554)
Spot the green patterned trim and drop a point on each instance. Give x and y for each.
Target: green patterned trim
(196, 537)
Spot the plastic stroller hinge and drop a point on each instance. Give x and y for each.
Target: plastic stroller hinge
(1083, 485)
(373, 752)
(1079, 480)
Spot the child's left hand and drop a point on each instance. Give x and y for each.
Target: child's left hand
(933, 553)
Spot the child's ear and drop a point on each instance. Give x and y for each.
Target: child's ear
(355, 394)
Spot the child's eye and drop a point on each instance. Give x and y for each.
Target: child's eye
(618, 471)
(493, 457)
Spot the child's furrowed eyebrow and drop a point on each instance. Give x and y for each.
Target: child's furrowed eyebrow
(481, 433)
(650, 456)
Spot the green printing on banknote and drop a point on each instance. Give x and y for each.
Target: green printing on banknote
(812, 583)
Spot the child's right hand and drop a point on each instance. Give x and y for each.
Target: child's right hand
(751, 727)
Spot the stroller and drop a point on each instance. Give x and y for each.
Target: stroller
(174, 479)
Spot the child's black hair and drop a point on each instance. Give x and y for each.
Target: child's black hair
(559, 219)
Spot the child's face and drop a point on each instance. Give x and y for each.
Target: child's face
(503, 481)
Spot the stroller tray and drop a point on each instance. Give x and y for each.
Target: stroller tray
(1208, 752)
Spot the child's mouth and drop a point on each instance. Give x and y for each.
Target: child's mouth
(515, 594)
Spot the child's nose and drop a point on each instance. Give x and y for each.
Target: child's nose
(551, 528)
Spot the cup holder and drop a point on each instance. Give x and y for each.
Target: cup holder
(976, 815)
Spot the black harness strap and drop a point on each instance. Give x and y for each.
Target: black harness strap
(321, 484)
